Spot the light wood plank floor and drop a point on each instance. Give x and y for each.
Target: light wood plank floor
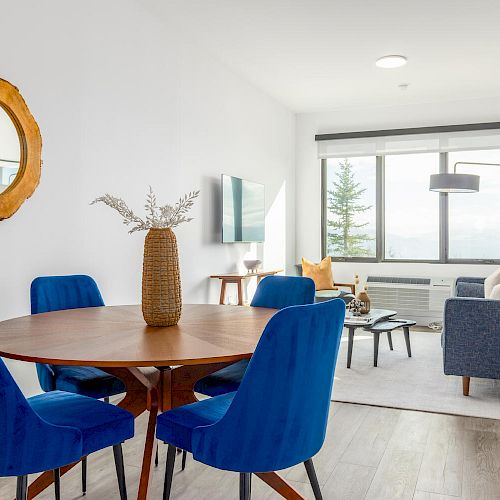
(369, 452)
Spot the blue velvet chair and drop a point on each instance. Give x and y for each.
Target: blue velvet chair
(275, 292)
(471, 333)
(55, 293)
(277, 418)
(55, 429)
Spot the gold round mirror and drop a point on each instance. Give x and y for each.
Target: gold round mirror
(20, 150)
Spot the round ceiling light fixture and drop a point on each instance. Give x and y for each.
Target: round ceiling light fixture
(391, 61)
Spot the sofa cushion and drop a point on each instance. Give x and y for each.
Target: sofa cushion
(320, 273)
(490, 282)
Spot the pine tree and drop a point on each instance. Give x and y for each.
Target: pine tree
(343, 206)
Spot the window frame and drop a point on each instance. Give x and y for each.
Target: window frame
(380, 221)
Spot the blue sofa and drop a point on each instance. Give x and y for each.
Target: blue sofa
(471, 333)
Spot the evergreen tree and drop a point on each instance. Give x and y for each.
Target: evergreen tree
(343, 206)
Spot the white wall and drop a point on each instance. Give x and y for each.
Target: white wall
(124, 101)
(308, 194)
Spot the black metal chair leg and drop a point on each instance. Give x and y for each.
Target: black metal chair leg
(311, 473)
(406, 330)
(245, 485)
(120, 471)
(389, 338)
(156, 456)
(169, 471)
(376, 339)
(350, 342)
(84, 475)
(57, 483)
(22, 488)
(184, 456)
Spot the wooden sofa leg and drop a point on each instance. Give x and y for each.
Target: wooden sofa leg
(466, 385)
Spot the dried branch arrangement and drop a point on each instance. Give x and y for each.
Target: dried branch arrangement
(166, 216)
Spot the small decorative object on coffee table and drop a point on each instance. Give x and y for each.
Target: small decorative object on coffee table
(252, 265)
(355, 307)
(161, 284)
(365, 300)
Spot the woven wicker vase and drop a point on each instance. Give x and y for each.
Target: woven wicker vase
(161, 282)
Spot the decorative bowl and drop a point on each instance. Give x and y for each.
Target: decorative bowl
(252, 265)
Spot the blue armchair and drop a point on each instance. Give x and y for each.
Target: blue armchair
(277, 418)
(51, 430)
(274, 292)
(55, 293)
(471, 333)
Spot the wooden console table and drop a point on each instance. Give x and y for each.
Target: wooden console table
(238, 279)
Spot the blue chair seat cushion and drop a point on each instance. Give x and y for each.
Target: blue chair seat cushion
(87, 381)
(223, 381)
(176, 426)
(101, 424)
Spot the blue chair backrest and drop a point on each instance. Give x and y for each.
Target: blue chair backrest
(278, 416)
(28, 444)
(277, 292)
(55, 293)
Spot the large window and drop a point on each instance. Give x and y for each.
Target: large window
(411, 210)
(350, 207)
(474, 219)
(380, 208)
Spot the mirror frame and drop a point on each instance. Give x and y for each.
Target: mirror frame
(30, 141)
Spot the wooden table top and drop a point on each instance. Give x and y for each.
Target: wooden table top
(118, 336)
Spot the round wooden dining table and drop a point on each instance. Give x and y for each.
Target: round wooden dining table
(159, 365)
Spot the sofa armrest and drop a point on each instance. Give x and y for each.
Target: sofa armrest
(471, 337)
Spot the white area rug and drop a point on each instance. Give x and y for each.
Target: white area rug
(416, 383)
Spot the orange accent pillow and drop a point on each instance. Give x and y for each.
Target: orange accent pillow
(320, 273)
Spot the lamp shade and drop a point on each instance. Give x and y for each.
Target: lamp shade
(454, 183)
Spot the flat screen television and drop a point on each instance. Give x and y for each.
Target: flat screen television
(243, 210)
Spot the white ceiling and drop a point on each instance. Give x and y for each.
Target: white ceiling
(314, 55)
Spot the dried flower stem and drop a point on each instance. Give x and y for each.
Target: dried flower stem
(167, 216)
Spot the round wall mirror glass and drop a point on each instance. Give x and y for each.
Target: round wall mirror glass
(10, 150)
(20, 151)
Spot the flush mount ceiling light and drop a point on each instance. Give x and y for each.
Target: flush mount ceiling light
(391, 61)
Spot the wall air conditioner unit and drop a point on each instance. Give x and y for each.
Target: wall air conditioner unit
(419, 299)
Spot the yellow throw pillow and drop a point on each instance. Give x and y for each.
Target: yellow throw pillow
(320, 273)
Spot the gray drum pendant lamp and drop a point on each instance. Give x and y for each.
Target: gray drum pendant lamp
(457, 183)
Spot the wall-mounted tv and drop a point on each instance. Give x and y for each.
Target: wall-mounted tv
(243, 210)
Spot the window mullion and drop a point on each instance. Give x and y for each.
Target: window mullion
(324, 187)
(380, 208)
